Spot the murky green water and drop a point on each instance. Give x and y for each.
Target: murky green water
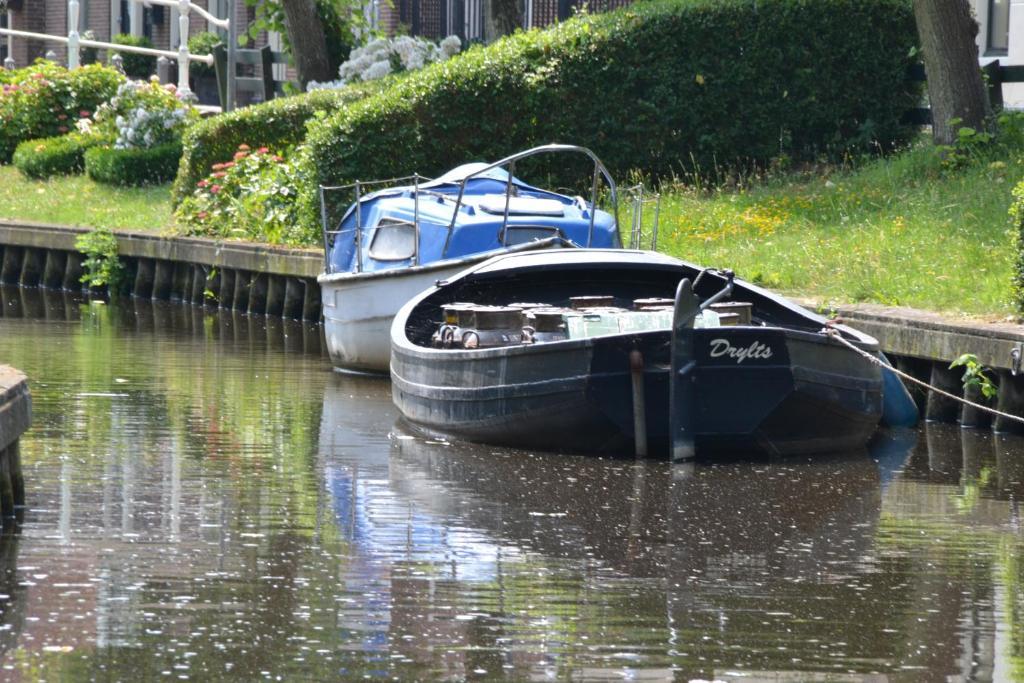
(208, 501)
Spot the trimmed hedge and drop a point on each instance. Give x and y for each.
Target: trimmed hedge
(666, 86)
(46, 157)
(45, 100)
(1017, 214)
(133, 166)
(279, 124)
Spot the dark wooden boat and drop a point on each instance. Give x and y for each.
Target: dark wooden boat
(623, 351)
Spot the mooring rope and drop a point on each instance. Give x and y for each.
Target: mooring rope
(835, 334)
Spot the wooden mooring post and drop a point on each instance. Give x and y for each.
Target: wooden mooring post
(15, 418)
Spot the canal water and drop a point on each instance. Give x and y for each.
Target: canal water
(208, 501)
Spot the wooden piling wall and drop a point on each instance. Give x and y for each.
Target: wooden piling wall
(216, 273)
(15, 418)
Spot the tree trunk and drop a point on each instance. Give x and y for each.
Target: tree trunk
(955, 87)
(308, 44)
(501, 17)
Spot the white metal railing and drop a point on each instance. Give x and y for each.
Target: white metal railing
(75, 42)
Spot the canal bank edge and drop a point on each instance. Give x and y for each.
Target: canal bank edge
(255, 278)
(281, 281)
(15, 419)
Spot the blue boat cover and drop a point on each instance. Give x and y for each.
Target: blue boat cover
(387, 218)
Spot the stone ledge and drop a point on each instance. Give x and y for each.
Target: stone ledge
(235, 255)
(933, 336)
(15, 406)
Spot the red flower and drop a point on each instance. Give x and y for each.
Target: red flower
(203, 183)
(215, 189)
(38, 76)
(202, 215)
(217, 167)
(218, 174)
(240, 155)
(229, 164)
(277, 158)
(84, 114)
(244, 147)
(263, 150)
(62, 129)
(62, 117)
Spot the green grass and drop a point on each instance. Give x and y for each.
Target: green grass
(902, 230)
(76, 200)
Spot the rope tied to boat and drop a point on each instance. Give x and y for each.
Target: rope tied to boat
(833, 333)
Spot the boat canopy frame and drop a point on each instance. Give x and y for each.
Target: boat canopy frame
(417, 180)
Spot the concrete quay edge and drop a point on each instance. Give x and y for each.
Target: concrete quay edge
(230, 254)
(15, 406)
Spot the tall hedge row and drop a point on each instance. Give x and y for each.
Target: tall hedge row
(279, 124)
(662, 86)
(1017, 215)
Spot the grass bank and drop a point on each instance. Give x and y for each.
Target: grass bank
(76, 200)
(905, 230)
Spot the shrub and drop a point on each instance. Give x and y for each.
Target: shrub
(101, 267)
(145, 114)
(135, 65)
(202, 44)
(45, 100)
(61, 155)
(1017, 213)
(106, 164)
(383, 56)
(251, 197)
(279, 124)
(665, 87)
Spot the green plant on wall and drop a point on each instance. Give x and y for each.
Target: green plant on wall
(974, 375)
(102, 266)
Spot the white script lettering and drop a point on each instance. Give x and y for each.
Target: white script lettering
(722, 347)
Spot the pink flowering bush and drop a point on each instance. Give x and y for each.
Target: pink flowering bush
(46, 100)
(251, 197)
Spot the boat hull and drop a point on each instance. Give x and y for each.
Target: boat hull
(358, 311)
(358, 308)
(796, 393)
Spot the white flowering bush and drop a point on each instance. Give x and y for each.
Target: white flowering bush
(144, 115)
(383, 56)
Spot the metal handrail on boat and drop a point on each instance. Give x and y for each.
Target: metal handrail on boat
(359, 186)
(636, 232)
(510, 161)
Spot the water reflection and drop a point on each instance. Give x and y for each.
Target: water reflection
(208, 500)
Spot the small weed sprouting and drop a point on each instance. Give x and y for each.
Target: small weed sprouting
(967, 147)
(974, 375)
(101, 265)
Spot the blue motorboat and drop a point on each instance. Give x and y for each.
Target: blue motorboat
(394, 241)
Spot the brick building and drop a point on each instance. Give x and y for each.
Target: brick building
(464, 18)
(107, 18)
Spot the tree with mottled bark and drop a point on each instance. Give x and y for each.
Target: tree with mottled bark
(501, 17)
(307, 40)
(947, 30)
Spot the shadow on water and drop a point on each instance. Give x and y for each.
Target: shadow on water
(208, 500)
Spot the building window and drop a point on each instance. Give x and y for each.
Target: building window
(998, 26)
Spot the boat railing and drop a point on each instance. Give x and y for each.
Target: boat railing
(510, 162)
(640, 202)
(361, 188)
